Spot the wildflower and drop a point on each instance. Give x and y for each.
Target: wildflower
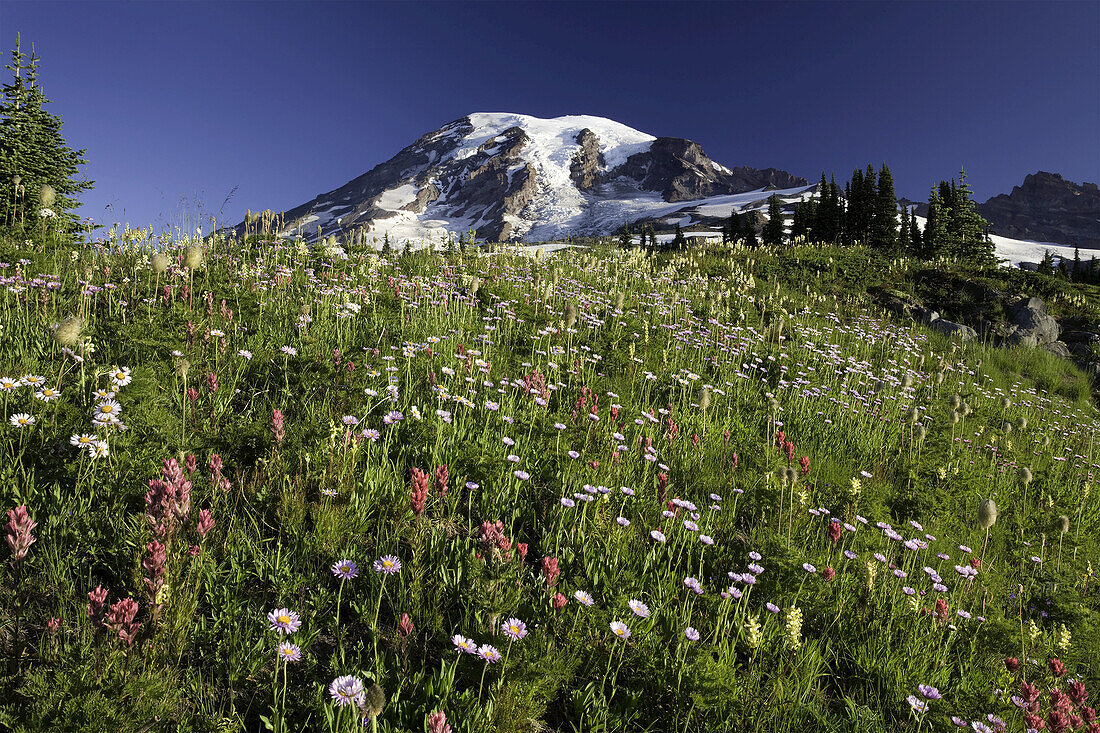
(794, 627)
(98, 449)
(284, 621)
(291, 351)
(640, 609)
(109, 408)
(244, 353)
(489, 653)
(568, 503)
(929, 692)
(120, 618)
(623, 522)
(463, 644)
(620, 629)
(19, 536)
(206, 523)
(583, 598)
(47, 394)
(808, 567)
(753, 632)
(22, 420)
(7, 384)
(558, 601)
(521, 475)
(437, 723)
(919, 706)
(82, 440)
(706, 539)
(657, 535)
(405, 627)
(1056, 667)
(346, 690)
(691, 634)
(121, 377)
(32, 380)
(345, 569)
(289, 652)
(388, 564)
(514, 629)
(828, 574)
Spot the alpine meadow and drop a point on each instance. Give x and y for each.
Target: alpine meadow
(547, 425)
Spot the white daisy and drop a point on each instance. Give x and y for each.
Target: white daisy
(22, 420)
(109, 408)
(32, 380)
(47, 394)
(120, 377)
(98, 449)
(7, 384)
(81, 440)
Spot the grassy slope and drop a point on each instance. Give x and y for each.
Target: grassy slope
(785, 341)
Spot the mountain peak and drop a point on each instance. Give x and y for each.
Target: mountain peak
(512, 176)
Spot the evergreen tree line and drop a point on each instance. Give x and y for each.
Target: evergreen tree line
(865, 212)
(38, 171)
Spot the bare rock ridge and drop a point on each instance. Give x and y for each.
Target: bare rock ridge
(1047, 208)
(516, 177)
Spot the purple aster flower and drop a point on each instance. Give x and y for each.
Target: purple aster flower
(568, 503)
(626, 490)
(463, 644)
(289, 652)
(573, 454)
(583, 598)
(489, 653)
(808, 567)
(388, 564)
(755, 555)
(706, 539)
(350, 420)
(691, 634)
(640, 609)
(691, 526)
(920, 707)
(657, 535)
(755, 569)
(346, 690)
(623, 522)
(514, 629)
(849, 554)
(372, 435)
(929, 692)
(620, 629)
(284, 621)
(345, 569)
(521, 475)
(772, 607)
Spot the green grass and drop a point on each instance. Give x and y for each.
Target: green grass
(712, 353)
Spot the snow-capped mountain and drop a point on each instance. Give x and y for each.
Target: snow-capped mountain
(516, 177)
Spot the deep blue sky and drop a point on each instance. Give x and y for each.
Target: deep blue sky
(177, 103)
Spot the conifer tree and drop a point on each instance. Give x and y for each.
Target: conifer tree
(678, 241)
(934, 240)
(32, 149)
(969, 229)
(773, 229)
(748, 230)
(905, 242)
(884, 223)
(915, 236)
(625, 237)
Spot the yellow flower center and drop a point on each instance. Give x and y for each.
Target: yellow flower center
(284, 619)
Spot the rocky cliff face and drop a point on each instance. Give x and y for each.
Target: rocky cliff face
(1047, 208)
(515, 177)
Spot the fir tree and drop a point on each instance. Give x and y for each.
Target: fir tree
(678, 241)
(625, 237)
(915, 237)
(31, 147)
(386, 247)
(968, 229)
(905, 241)
(748, 230)
(884, 223)
(934, 240)
(773, 229)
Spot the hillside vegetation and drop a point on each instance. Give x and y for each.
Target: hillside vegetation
(260, 485)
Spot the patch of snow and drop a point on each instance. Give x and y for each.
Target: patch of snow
(396, 198)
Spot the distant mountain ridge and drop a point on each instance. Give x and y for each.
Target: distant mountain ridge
(516, 177)
(1047, 208)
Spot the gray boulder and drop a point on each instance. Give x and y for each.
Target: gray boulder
(1030, 324)
(1058, 348)
(953, 330)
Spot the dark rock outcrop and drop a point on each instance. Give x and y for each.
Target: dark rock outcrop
(587, 161)
(1047, 208)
